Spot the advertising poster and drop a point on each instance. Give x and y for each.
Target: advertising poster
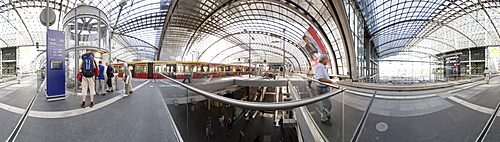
(494, 59)
(313, 47)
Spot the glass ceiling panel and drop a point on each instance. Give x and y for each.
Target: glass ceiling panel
(138, 19)
(264, 26)
(431, 26)
(218, 31)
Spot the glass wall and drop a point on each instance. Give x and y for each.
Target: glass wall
(8, 61)
(86, 30)
(457, 65)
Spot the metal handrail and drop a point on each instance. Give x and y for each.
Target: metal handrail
(362, 122)
(317, 81)
(258, 105)
(488, 125)
(302, 115)
(12, 137)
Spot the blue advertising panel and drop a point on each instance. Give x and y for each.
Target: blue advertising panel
(55, 65)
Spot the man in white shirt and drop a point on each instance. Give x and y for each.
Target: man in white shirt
(487, 75)
(322, 75)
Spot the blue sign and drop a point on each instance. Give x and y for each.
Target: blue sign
(55, 66)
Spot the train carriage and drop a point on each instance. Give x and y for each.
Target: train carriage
(179, 69)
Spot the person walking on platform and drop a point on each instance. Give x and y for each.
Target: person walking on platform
(322, 75)
(487, 75)
(188, 77)
(88, 80)
(100, 80)
(18, 75)
(110, 70)
(127, 80)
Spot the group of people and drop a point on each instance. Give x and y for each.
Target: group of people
(223, 122)
(103, 79)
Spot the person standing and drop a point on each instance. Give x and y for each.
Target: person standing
(100, 80)
(257, 139)
(229, 127)
(207, 132)
(242, 136)
(209, 123)
(322, 75)
(487, 75)
(18, 75)
(88, 80)
(280, 122)
(127, 80)
(110, 70)
(222, 120)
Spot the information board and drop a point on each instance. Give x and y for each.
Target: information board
(55, 65)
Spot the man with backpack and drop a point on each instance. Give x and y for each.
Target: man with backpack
(88, 83)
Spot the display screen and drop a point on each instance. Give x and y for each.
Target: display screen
(56, 65)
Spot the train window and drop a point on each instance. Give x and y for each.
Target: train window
(141, 69)
(186, 69)
(157, 68)
(118, 69)
(180, 69)
(169, 69)
(194, 68)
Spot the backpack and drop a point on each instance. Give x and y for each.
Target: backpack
(88, 65)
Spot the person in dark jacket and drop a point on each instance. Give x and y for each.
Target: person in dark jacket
(110, 70)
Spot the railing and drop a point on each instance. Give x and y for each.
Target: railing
(307, 130)
(12, 137)
(259, 105)
(487, 127)
(361, 123)
(317, 81)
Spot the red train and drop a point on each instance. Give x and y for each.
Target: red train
(178, 69)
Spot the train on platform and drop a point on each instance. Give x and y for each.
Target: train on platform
(180, 69)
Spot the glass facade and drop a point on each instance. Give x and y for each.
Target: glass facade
(419, 30)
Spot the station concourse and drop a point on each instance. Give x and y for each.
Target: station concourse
(249, 70)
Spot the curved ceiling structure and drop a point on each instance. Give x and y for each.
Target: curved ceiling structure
(430, 27)
(231, 31)
(136, 25)
(220, 31)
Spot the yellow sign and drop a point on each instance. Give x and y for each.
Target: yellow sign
(494, 52)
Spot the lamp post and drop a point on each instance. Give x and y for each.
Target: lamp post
(192, 55)
(283, 66)
(249, 52)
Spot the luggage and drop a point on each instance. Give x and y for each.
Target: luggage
(88, 63)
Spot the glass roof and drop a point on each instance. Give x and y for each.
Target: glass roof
(198, 30)
(136, 24)
(426, 28)
(228, 31)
